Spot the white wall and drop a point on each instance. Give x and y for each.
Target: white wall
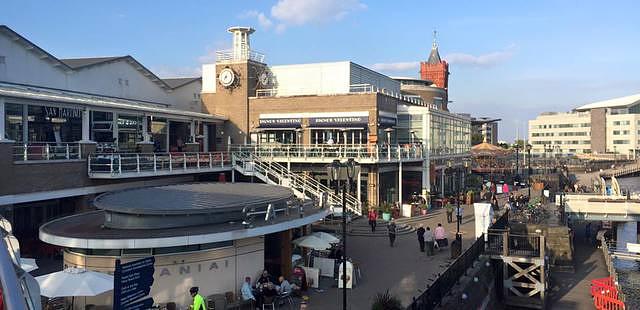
(312, 79)
(187, 97)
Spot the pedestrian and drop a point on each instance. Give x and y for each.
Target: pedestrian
(429, 240)
(392, 231)
(373, 218)
(440, 236)
(420, 231)
(198, 301)
(449, 209)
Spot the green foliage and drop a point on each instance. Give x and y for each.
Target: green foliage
(386, 301)
(476, 138)
(386, 207)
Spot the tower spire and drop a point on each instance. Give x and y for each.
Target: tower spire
(434, 56)
(435, 39)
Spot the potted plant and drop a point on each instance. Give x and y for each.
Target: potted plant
(386, 211)
(423, 209)
(386, 301)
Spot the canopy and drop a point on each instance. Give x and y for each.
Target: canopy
(326, 237)
(74, 282)
(312, 242)
(487, 149)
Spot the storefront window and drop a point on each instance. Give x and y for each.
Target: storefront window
(277, 136)
(337, 136)
(102, 127)
(179, 135)
(13, 121)
(159, 134)
(129, 132)
(54, 124)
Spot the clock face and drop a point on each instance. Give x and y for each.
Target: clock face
(227, 77)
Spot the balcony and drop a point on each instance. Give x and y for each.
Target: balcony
(46, 151)
(134, 165)
(227, 56)
(326, 153)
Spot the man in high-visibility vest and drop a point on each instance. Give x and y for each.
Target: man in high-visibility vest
(198, 301)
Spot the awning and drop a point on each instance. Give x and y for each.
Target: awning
(339, 121)
(291, 123)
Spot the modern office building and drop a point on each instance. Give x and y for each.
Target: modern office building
(486, 127)
(610, 127)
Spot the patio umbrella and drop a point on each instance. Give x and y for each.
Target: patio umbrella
(74, 282)
(326, 237)
(312, 242)
(28, 264)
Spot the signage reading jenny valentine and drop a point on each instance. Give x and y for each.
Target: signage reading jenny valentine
(338, 121)
(280, 122)
(132, 284)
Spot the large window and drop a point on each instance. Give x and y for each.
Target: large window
(54, 124)
(13, 121)
(129, 132)
(336, 136)
(159, 134)
(102, 127)
(277, 136)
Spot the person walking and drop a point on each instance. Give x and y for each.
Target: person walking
(440, 236)
(420, 231)
(459, 213)
(392, 232)
(198, 301)
(449, 209)
(429, 240)
(373, 218)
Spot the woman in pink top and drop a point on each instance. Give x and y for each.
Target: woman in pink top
(441, 236)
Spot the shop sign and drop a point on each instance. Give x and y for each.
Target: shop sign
(280, 122)
(187, 269)
(62, 112)
(338, 121)
(388, 121)
(132, 284)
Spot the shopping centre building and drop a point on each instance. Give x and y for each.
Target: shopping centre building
(73, 129)
(604, 128)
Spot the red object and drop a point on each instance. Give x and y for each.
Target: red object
(222, 178)
(605, 295)
(373, 215)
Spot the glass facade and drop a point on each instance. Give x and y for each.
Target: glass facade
(54, 124)
(13, 121)
(337, 136)
(449, 135)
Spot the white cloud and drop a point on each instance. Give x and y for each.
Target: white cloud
(396, 66)
(484, 60)
(286, 13)
(300, 12)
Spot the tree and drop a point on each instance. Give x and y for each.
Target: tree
(519, 143)
(476, 138)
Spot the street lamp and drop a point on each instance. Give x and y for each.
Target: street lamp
(529, 168)
(334, 172)
(517, 147)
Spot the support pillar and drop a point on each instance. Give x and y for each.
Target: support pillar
(86, 120)
(285, 254)
(115, 128)
(205, 133)
(442, 182)
(373, 183)
(358, 186)
(400, 183)
(627, 232)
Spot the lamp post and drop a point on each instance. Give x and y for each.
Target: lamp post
(517, 147)
(334, 171)
(529, 168)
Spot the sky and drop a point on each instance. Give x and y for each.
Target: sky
(508, 59)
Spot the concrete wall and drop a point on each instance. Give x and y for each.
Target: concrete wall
(187, 97)
(214, 271)
(598, 130)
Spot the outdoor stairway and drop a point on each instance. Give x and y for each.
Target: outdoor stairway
(303, 186)
(360, 226)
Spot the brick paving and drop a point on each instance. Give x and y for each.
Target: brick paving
(403, 269)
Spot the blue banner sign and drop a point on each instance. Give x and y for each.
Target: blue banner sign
(132, 282)
(338, 121)
(280, 122)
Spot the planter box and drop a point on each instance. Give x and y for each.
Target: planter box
(386, 216)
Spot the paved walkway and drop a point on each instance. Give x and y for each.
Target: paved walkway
(403, 269)
(571, 291)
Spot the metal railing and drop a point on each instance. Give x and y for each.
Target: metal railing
(152, 163)
(441, 287)
(303, 185)
(230, 56)
(502, 242)
(359, 152)
(46, 151)
(613, 274)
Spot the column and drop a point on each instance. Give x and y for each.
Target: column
(86, 120)
(192, 132)
(358, 184)
(115, 127)
(426, 164)
(627, 232)
(2, 125)
(145, 129)
(205, 133)
(400, 183)
(442, 183)
(285, 254)
(145, 146)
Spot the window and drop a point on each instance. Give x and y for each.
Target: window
(13, 121)
(616, 132)
(620, 141)
(54, 124)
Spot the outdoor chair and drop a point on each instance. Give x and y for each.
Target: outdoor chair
(269, 301)
(285, 298)
(217, 302)
(238, 303)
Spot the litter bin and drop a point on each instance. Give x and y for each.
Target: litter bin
(456, 247)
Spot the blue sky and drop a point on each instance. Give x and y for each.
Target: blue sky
(508, 59)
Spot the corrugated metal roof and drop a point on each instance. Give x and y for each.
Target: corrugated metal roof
(77, 63)
(621, 102)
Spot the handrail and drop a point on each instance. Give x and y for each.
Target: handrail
(300, 183)
(137, 163)
(31, 151)
(359, 152)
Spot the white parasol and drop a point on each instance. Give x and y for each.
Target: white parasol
(326, 237)
(312, 242)
(28, 264)
(74, 282)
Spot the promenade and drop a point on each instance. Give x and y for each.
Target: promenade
(403, 269)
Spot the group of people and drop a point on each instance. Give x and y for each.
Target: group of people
(431, 239)
(265, 289)
(516, 202)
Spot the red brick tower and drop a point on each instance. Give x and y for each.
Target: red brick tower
(436, 69)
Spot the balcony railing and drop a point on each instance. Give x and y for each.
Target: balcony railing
(230, 56)
(149, 164)
(33, 151)
(326, 152)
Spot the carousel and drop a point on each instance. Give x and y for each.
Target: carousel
(489, 159)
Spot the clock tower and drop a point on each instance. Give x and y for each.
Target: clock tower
(436, 70)
(238, 73)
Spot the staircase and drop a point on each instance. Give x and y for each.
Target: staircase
(303, 186)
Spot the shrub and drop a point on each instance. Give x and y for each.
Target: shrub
(386, 301)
